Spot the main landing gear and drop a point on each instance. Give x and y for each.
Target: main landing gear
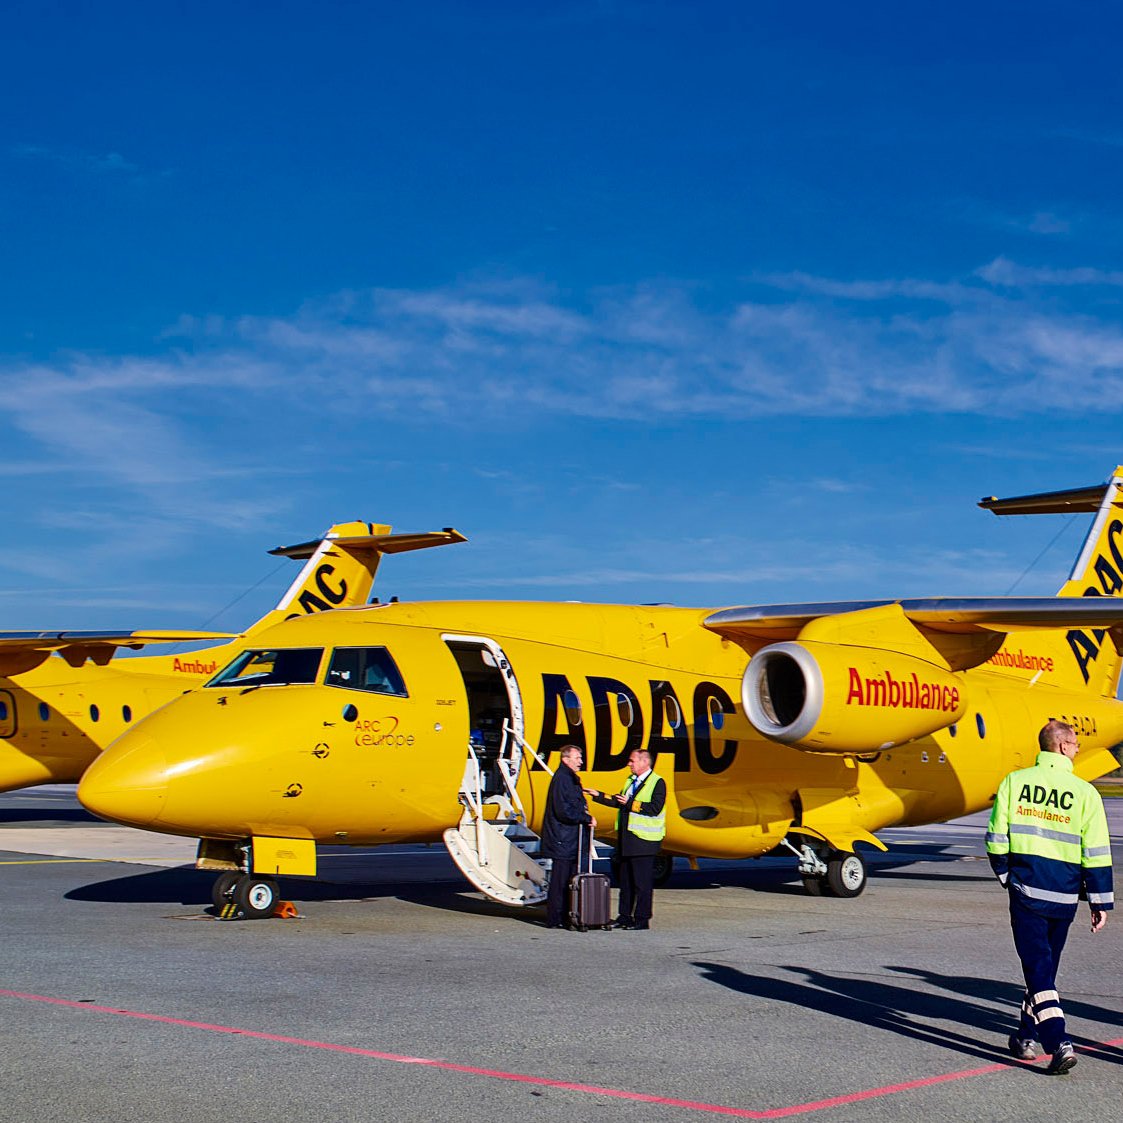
(243, 896)
(830, 873)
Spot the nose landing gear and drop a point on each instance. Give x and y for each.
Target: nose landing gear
(243, 896)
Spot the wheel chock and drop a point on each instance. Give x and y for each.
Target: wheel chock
(285, 910)
(230, 911)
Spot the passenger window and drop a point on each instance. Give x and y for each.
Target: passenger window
(625, 711)
(717, 714)
(286, 666)
(366, 668)
(671, 711)
(572, 706)
(44, 711)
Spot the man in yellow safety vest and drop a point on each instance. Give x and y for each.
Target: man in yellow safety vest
(640, 828)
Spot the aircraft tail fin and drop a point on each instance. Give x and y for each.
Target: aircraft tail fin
(1083, 658)
(339, 568)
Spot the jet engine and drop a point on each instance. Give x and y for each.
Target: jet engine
(832, 698)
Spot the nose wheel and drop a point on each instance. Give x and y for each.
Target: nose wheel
(242, 896)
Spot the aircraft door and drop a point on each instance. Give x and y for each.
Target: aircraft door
(7, 714)
(492, 845)
(493, 701)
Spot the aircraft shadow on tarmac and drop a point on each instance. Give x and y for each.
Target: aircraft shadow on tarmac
(988, 1007)
(187, 886)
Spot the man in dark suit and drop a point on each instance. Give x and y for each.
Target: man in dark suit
(640, 828)
(566, 814)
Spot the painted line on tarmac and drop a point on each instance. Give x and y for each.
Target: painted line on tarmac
(50, 861)
(524, 1078)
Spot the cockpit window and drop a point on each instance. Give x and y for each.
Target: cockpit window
(365, 668)
(287, 666)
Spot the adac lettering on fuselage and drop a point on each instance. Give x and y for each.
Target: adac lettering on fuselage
(616, 704)
(332, 596)
(900, 694)
(194, 667)
(1086, 643)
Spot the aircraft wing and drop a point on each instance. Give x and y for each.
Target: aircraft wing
(963, 615)
(20, 651)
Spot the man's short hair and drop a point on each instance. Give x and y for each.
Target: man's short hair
(641, 752)
(1053, 732)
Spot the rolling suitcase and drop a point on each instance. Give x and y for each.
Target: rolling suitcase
(590, 904)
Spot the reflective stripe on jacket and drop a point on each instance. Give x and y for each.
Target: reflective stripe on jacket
(1047, 839)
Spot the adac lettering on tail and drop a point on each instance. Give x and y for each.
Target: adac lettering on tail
(332, 597)
(1085, 644)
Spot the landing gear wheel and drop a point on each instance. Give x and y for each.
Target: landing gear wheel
(222, 891)
(664, 867)
(813, 885)
(256, 897)
(846, 874)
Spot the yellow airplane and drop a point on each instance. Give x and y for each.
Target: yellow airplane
(805, 727)
(62, 700)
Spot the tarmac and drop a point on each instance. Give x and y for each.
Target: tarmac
(400, 994)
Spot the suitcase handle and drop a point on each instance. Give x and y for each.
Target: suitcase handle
(580, 839)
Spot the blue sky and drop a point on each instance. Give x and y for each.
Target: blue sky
(716, 304)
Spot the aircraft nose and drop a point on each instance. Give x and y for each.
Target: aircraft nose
(127, 786)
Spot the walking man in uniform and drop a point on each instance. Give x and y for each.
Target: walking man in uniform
(640, 828)
(1048, 842)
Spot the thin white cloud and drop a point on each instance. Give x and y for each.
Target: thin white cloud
(1009, 274)
(76, 160)
(171, 428)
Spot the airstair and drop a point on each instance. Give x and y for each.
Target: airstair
(492, 845)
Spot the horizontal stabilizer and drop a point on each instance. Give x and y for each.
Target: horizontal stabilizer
(1077, 500)
(379, 543)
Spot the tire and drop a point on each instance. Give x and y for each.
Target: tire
(846, 874)
(664, 867)
(256, 897)
(813, 886)
(222, 891)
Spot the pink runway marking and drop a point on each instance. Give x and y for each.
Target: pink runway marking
(524, 1078)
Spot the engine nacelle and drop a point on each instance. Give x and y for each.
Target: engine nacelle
(833, 698)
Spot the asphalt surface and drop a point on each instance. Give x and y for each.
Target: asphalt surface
(402, 995)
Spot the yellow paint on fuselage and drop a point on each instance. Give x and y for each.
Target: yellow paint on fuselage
(60, 718)
(231, 762)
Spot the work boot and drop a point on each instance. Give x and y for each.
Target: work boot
(1022, 1048)
(1064, 1060)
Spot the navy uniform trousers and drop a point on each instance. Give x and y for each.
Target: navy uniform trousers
(1039, 941)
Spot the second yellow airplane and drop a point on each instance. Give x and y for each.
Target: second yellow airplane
(803, 727)
(63, 697)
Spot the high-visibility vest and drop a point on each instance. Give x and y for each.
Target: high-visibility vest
(1048, 840)
(651, 828)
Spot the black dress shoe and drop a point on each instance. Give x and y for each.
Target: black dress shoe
(620, 922)
(640, 926)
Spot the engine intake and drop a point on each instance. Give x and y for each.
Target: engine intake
(835, 698)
